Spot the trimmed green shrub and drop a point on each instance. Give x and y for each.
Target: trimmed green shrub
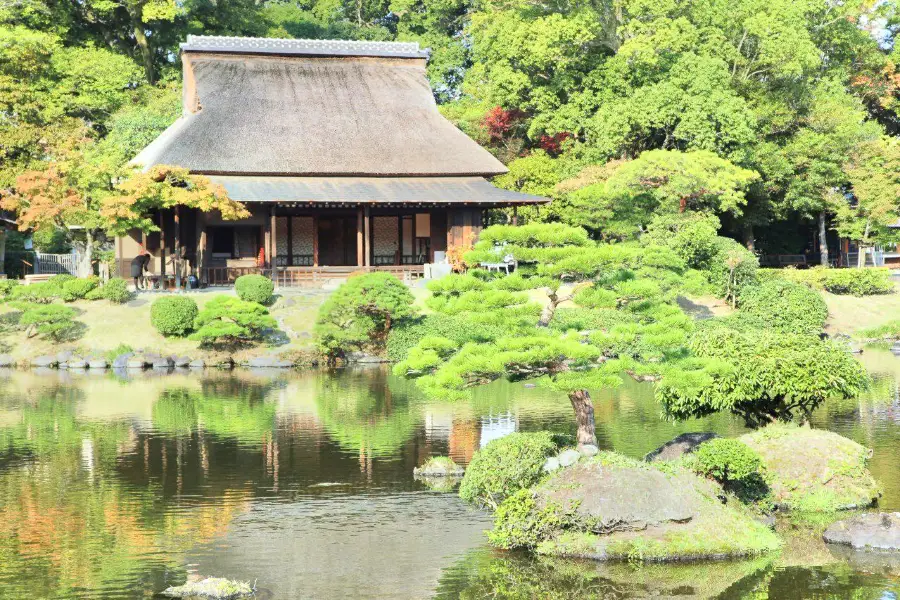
(785, 306)
(7, 286)
(78, 289)
(519, 523)
(226, 319)
(254, 288)
(94, 294)
(116, 290)
(57, 282)
(361, 313)
(173, 315)
(505, 466)
(727, 460)
(51, 320)
(36, 293)
(732, 268)
(857, 282)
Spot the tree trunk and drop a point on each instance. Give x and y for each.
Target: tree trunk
(749, 240)
(584, 417)
(549, 310)
(861, 254)
(85, 267)
(823, 242)
(136, 12)
(3, 234)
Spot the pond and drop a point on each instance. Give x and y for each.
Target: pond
(115, 487)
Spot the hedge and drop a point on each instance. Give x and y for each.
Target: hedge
(856, 282)
(254, 288)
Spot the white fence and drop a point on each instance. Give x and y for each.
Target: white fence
(55, 264)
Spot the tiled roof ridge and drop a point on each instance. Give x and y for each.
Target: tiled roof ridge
(255, 45)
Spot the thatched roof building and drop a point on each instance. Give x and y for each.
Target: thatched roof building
(325, 140)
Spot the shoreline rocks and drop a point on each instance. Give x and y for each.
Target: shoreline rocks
(871, 530)
(685, 443)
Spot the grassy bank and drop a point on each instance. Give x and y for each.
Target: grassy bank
(852, 314)
(107, 327)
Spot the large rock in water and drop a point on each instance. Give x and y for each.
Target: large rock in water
(683, 444)
(610, 507)
(868, 530)
(814, 470)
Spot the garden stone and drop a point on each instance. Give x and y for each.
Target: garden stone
(182, 361)
(98, 363)
(121, 361)
(614, 505)
(439, 467)
(363, 358)
(872, 530)
(45, 362)
(685, 443)
(551, 464)
(7, 360)
(77, 362)
(136, 362)
(63, 356)
(269, 362)
(197, 363)
(567, 458)
(588, 450)
(162, 363)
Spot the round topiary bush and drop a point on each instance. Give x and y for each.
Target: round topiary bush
(785, 306)
(254, 288)
(116, 290)
(173, 315)
(727, 460)
(505, 466)
(78, 289)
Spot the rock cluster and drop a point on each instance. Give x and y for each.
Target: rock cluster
(872, 530)
(569, 457)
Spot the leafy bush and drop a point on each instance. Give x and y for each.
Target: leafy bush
(785, 306)
(761, 375)
(505, 466)
(58, 282)
(732, 268)
(890, 329)
(585, 319)
(727, 460)
(94, 294)
(254, 288)
(230, 319)
(361, 313)
(78, 289)
(520, 523)
(35, 293)
(173, 315)
(116, 290)
(692, 235)
(7, 286)
(858, 282)
(51, 320)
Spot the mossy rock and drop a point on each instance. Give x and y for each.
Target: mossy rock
(439, 466)
(610, 507)
(813, 470)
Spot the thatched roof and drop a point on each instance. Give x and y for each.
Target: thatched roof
(303, 108)
(371, 190)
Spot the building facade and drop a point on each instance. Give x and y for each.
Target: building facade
(335, 147)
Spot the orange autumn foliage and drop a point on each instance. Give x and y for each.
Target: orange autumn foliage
(42, 197)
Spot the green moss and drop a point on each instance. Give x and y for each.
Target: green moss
(812, 470)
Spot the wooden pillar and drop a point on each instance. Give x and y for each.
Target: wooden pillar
(400, 237)
(273, 241)
(162, 249)
(367, 234)
(176, 260)
(360, 239)
(515, 215)
(315, 240)
(290, 240)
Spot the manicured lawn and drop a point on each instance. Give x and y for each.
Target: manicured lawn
(849, 314)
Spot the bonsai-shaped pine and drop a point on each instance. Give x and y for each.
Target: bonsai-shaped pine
(650, 328)
(54, 321)
(226, 319)
(360, 314)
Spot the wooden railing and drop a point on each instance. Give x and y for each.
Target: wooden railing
(304, 276)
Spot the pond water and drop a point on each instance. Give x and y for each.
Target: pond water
(115, 487)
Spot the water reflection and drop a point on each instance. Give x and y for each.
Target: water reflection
(116, 488)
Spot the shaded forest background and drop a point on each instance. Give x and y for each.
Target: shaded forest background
(778, 117)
